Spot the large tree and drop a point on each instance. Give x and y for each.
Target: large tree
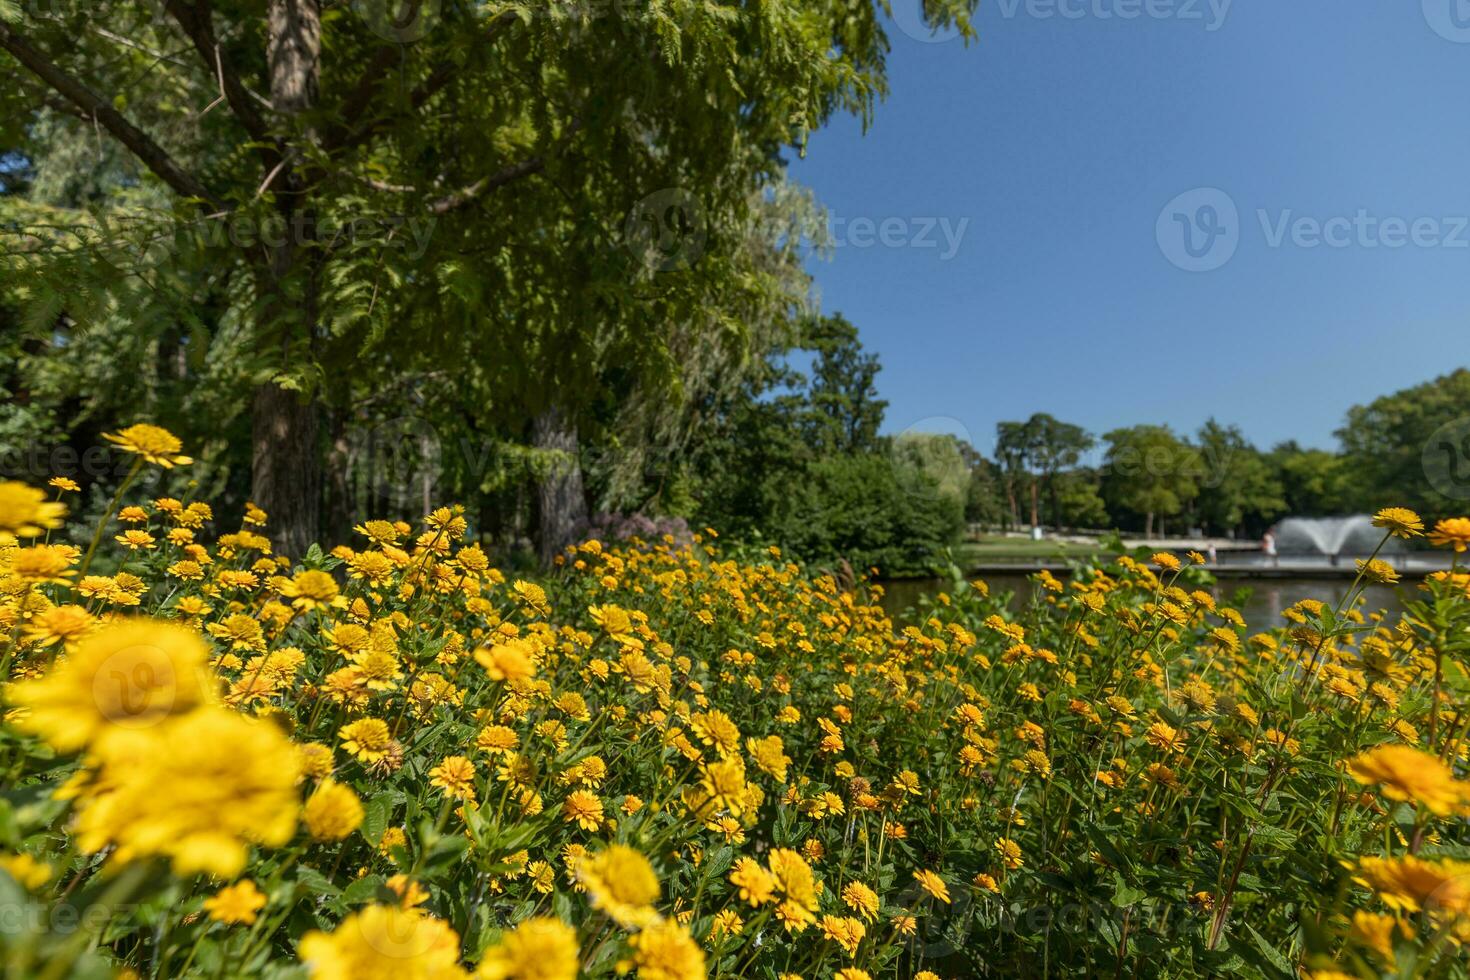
(1238, 485)
(568, 177)
(1034, 454)
(1411, 447)
(1149, 472)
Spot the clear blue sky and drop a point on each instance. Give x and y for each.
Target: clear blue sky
(1060, 141)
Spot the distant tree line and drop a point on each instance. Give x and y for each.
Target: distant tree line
(1411, 448)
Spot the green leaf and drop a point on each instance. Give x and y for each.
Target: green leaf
(367, 889)
(1273, 956)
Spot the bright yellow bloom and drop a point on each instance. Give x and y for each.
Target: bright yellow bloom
(384, 942)
(456, 776)
(200, 790)
(1408, 774)
(665, 952)
(236, 904)
(30, 873)
(621, 882)
(861, 899)
(25, 512)
(540, 948)
(1411, 884)
(310, 589)
(1453, 531)
(156, 445)
(756, 884)
(367, 738)
(584, 809)
(511, 661)
(333, 811)
(1399, 521)
(125, 678)
(933, 884)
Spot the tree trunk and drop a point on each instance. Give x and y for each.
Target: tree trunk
(338, 500)
(285, 463)
(1148, 525)
(561, 503)
(284, 468)
(1035, 492)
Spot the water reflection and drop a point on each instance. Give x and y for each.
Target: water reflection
(1260, 601)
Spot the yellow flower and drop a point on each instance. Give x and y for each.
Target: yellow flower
(1399, 521)
(933, 884)
(798, 886)
(456, 776)
(584, 808)
(25, 512)
(1010, 853)
(135, 539)
(496, 739)
(861, 899)
(1376, 933)
(316, 759)
(40, 563)
(60, 624)
(511, 661)
(1411, 884)
(333, 811)
(204, 787)
(1408, 774)
(127, 677)
(310, 589)
(540, 948)
(756, 884)
(846, 932)
(30, 873)
(367, 738)
(156, 445)
(665, 952)
(1166, 561)
(384, 942)
(236, 904)
(1378, 570)
(621, 882)
(1454, 531)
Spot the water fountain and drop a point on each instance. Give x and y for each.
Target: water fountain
(1330, 536)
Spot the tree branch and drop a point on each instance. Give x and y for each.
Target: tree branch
(155, 157)
(468, 193)
(197, 21)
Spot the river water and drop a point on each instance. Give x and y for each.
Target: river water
(1261, 608)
